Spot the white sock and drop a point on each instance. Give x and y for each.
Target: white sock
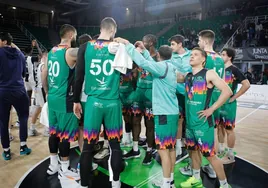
(178, 143)
(149, 149)
(128, 136)
(6, 149)
(54, 160)
(135, 146)
(171, 177)
(221, 147)
(196, 174)
(116, 184)
(32, 127)
(231, 152)
(166, 182)
(106, 144)
(224, 183)
(22, 143)
(65, 165)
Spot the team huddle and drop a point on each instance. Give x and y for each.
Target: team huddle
(179, 93)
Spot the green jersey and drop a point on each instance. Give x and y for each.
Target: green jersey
(101, 80)
(60, 81)
(126, 83)
(215, 62)
(197, 98)
(145, 78)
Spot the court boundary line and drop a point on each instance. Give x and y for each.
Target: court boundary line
(252, 164)
(31, 169)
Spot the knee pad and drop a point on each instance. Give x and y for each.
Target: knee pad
(53, 143)
(64, 147)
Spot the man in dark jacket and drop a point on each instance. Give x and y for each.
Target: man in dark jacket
(12, 93)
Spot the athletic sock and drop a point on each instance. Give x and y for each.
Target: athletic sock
(135, 146)
(221, 147)
(54, 160)
(224, 183)
(231, 152)
(22, 144)
(166, 182)
(32, 127)
(65, 165)
(196, 174)
(106, 144)
(6, 149)
(149, 149)
(171, 177)
(178, 143)
(128, 136)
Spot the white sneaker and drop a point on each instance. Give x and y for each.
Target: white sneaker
(17, 124)
(158, 183)
(187, 170)
(209, 171)
(32, 132)
(103, 153)
(53, 169)
(71, 174)
(116, 184)
(94, 166)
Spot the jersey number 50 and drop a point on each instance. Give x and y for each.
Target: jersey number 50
(54, 68)
(96, 69)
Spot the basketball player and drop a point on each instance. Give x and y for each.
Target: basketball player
(233, 76)
(58, 81)
(103, 103)
(142, 105)
(30, 81)
(165, 105)
(215, 62)
(199, 86)
(12, 93)
(40, 95)
(181, 59)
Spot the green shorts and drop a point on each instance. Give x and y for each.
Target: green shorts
(142, 103)
(181, 101)
(166, 127)
(201, 139)
(64, 125)
(99, 111)
(127, 100)
(216, 114)
(228, 115)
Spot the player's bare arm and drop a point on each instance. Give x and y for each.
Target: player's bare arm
(44, 77)
(245, 86)
(71, 56)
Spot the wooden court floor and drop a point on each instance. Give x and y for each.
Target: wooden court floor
(251, 144)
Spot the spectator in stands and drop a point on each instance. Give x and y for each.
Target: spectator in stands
(12, 93)
(258, 28)
(244, 39)
(264, 78)
(238, 39)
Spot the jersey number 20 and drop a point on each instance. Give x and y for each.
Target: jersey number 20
(54, 68)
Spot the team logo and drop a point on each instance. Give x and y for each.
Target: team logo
(102, 82)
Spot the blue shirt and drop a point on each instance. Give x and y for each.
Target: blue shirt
(12, 69)
(164, 81)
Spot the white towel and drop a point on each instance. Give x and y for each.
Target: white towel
(44, 115)
(122, 61)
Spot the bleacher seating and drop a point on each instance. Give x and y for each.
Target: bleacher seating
(41, 33)
(18, 37)
(214, 24)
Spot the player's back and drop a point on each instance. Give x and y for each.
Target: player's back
(60, 80)
(214, 61)
(101, 80)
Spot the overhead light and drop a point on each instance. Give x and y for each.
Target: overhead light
(127, 9)
(14, 8)
(0, 14)
(52, 11)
